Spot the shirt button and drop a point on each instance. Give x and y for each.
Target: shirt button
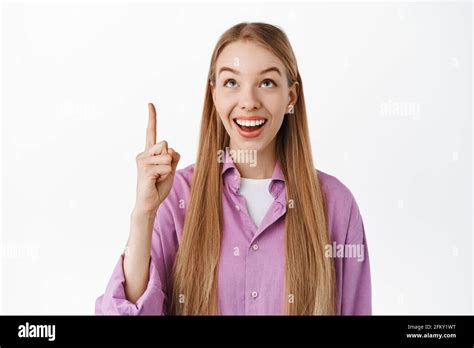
(254, 294)
(255, 247)
(237, 207)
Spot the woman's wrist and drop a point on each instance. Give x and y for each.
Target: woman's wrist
(143, 213)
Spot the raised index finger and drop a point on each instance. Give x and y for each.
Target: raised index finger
(151, 128)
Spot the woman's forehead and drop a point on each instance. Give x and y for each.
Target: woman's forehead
(247, 57)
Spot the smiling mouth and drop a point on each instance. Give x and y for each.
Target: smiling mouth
(250, 125)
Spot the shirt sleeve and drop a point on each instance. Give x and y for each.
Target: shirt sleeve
(356, 290)
(153, 300)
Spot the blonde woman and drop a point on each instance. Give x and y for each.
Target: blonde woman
(252, 227)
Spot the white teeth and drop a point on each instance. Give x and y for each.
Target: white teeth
(252, 123)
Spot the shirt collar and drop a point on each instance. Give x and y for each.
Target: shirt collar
(231, 176)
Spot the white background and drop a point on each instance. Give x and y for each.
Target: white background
(76, 79)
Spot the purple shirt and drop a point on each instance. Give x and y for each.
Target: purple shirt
(251, 266)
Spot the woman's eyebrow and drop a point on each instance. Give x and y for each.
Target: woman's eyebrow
(273, 68)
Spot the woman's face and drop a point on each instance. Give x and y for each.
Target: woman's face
(251, 95)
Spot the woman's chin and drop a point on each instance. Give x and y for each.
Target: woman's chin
(249, 144)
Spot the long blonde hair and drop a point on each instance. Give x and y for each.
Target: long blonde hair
(310, 276)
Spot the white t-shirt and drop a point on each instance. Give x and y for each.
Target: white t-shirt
(257, 196)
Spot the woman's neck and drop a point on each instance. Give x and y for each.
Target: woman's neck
(262, 167)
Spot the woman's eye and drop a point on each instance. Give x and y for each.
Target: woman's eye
(269, 81)
(231, 83)
(226, 84)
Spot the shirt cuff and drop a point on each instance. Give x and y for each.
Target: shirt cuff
(114, 301)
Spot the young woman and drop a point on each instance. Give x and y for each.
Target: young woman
(266, 234)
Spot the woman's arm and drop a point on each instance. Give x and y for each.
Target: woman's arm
(137, 255)
(156, 167)
(357, 287)
(136, 286)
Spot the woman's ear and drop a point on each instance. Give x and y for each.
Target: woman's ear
(294, 93)
(293, 96)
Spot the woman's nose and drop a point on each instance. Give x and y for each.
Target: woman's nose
(249, 99)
